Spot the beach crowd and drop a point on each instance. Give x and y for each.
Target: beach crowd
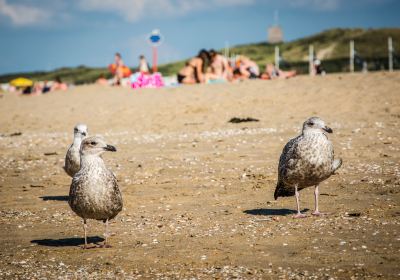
(207, 67)
(211, 66)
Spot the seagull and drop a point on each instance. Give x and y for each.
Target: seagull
(72, 158)
(306, 161)
(94, 192)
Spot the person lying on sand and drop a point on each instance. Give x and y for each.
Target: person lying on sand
(272, 72)
(33, 90)
(46, 87)
(102, 80)
(246, 68)
(40, 88)
(59, 85)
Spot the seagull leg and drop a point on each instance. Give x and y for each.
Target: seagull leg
(106, 245)
(316, 193)
(298, 215)
(85, 230)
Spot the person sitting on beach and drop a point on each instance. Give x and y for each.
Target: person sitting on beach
(59, 85)
(119, 69)
(220, 66)
(144, 67)
(195, 69)
(317, 68)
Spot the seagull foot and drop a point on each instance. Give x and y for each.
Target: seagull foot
(85, 247)
(317, 213)
(299, 216)
(105, 246)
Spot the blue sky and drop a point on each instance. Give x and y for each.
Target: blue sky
(48, 34)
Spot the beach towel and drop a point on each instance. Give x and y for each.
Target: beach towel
(143, 80)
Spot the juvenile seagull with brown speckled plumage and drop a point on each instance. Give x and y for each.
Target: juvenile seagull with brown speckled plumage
(306, 161)
(94, 192)
(72, 158)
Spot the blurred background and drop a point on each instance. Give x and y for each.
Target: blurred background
(48, 35)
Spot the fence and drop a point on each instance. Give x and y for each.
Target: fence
(354, 63)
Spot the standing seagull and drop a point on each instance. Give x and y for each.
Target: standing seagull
(94, 193)
(306, 161)
(72, 158)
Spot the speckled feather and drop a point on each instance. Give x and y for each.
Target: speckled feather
(306, 161)
(94, 192)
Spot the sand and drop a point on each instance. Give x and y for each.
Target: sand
(198, 191)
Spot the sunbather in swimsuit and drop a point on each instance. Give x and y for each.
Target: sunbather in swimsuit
(194, 70)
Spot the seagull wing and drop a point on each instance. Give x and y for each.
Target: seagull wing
(287, 161)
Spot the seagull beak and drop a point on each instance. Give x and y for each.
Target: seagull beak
(328, 129)
(110, 148)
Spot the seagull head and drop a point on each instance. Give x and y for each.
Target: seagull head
(315, 125)
(80, 131)
(95, 145)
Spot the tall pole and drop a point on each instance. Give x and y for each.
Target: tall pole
(155, 59)
(351, 56)
(226, 51)
(277, 57)
(311, 60)
(390, 47)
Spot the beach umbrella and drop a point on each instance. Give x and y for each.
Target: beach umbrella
(21, 82)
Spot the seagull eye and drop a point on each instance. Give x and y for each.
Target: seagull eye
(311, 123)
(93, 143)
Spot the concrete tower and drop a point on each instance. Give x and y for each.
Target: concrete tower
(275, 33)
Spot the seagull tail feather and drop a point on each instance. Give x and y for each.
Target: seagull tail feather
(278, 189)
(336, 164)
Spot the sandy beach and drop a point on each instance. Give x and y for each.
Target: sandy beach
(198, 190)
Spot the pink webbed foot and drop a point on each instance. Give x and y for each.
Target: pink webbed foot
(317, 213)
(299, 216)
(86, 247)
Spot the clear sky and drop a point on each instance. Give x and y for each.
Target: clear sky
(48, 34)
